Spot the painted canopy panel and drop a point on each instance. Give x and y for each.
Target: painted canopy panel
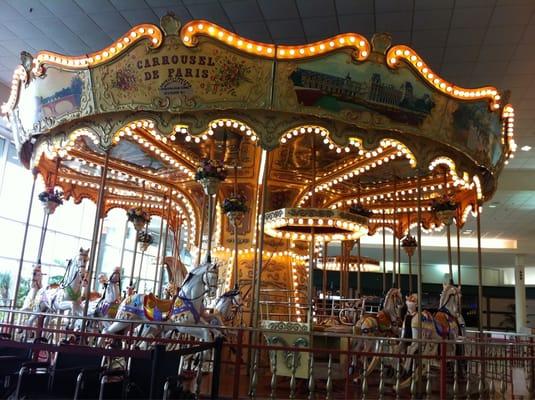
(371, 95)
(175, 78)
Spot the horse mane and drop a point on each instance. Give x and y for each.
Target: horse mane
(53, 286)
(94, 296)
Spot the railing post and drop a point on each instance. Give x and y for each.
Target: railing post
(443, 370)
(216, 368)
(237, 366)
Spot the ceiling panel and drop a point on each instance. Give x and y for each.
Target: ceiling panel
(140, 16)
(394, 21)
(111, 22)
(359, 23)
(242, 11)
(123, 5)
(429, 38)
(432, 19)
(316, 8)
(320, 28)
(30, 8)
(63, 8)
(278, 9)
(354, 7)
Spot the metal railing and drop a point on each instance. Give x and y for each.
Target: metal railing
(291, 362)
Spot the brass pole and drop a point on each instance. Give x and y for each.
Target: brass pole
(98, 212)
(342, 266)
(324, 280)
(211, 206)
(165, 198)
(399, 261)
(24, 238)
(256, 299)
(458, 226)
(479, 270)
(384, 252)
(359, 284)
(394, 226)
(164, 248)
(99, 248)
(419, 278)
(46, 217)
(408, 254)
(201, 231)
(132, 269)
(311, 253)
(450, 266)
(236, 264)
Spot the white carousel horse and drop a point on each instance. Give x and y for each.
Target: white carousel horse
(184, 308)
(386, 323)
(447, 323)
(227, 307)
(107, 305)
(65, 297)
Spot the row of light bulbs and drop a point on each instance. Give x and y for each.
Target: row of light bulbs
(395, 53)
(199, 27)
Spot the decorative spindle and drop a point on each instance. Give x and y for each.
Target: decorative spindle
(365, 379)
(492, 372)
(329, 384)
(293, 381)
(273, 357)
(455, 380)
(254, 377)
(397, 387)
(198, 379)
(311, 382)
(428, 386)
(382, 380)
(481, 377)
(503, 380)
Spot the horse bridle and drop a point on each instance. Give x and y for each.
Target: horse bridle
(206, 284)
(455, 293)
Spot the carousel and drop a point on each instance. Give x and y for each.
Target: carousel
(268, 164)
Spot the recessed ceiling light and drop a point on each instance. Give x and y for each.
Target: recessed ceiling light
(494, 204)
(467, 232)
(525, 148)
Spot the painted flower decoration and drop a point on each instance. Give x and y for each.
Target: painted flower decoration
(235, 204)
(211, 169)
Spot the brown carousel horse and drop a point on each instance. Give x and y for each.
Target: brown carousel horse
(386, 323)
(446, 323)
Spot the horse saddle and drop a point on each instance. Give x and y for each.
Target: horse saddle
(157, 309)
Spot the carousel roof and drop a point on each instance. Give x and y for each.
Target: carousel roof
(160, 99)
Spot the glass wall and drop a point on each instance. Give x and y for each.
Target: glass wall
(69, 228)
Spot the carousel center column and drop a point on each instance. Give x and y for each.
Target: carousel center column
(520, 293)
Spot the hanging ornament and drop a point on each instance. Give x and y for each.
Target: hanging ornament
(235, 207)
(409, 244)
(138, 217)
(51, 199)
(445, 209)
(210, 174)
(144, 240)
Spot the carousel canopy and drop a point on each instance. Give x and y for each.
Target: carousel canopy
(338, 124)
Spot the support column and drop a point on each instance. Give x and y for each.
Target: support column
(520, 293)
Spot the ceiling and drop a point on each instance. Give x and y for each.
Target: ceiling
(469, 42)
